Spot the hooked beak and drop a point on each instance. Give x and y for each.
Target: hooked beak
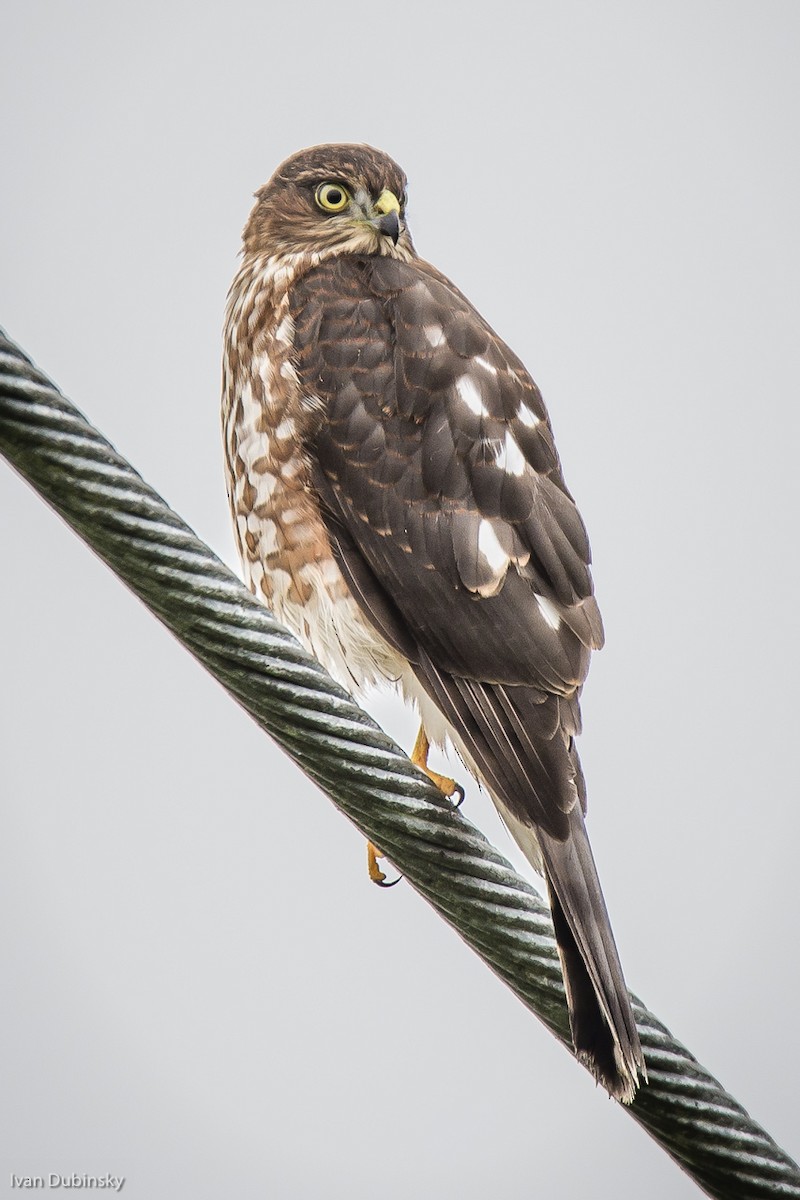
(387, 220)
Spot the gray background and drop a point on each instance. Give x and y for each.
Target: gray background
(201, 989)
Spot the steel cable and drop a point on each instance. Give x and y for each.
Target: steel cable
(371, 780)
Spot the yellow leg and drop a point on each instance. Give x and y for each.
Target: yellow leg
(419, 756)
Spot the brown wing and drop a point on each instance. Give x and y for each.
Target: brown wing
(451, 519)
(434, 461)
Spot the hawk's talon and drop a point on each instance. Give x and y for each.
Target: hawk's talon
(387, 883)
(446, 785)
(459, 792)
(375, 873)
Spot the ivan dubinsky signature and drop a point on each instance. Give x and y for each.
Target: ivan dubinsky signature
(54, 1179)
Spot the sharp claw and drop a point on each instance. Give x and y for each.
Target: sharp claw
(386, 883)
(448, 787)
(375, 873)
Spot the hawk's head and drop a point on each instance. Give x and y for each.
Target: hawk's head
(332, 199)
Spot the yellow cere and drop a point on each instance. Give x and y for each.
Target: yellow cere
(332, 197)
(387, 203)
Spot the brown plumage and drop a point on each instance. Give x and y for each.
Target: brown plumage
(399, 502)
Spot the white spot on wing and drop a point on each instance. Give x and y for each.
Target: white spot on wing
(434, 334)
(548, 611)
(509, 457)
(527, 417)
(465, 386)
(489, 547)
(480, 361)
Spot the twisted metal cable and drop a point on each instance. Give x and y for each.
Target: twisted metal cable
(365, 774)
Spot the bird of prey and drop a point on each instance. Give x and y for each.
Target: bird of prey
(398, 502)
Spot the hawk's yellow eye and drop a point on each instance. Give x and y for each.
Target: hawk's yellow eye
(332, 197)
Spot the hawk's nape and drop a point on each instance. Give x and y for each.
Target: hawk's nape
(400, 502)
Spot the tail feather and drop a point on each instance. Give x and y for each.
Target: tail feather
(601, 1018)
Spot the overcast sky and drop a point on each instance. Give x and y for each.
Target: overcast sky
(202, 990)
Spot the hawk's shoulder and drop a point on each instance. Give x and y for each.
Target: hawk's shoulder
(423, 397)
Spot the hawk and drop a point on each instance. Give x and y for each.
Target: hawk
(398, 502)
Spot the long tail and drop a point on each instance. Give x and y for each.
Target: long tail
(514, 740)
(600, 1014)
